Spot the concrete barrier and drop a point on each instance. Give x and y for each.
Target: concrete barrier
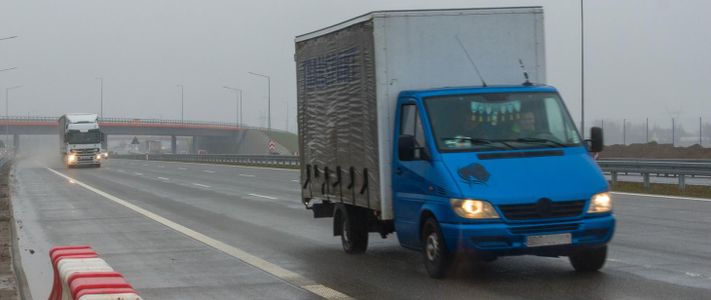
(79, 274)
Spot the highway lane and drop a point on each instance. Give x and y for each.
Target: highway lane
(662, 248)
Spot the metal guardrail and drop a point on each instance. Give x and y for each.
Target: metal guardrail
(680, 168)
(282, 161)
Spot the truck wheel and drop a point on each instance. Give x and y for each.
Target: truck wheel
(354, 232)
(589, 260)
(434, 250)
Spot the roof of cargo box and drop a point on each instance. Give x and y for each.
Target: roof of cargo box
(392, 13)
(478, 89)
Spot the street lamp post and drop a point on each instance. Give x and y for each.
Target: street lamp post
(101, 96)
(238, 104)
(269, 100)
(582, 71)
(182, 104)
(7, 111)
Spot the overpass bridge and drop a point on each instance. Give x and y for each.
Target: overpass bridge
(220, 137)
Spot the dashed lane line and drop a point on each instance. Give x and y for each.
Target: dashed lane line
(270, 268)
(201, 185)
(164, 178)
(209, 171)
(263, 196)
(247, 175)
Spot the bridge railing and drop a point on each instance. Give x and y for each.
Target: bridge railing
(136, 121)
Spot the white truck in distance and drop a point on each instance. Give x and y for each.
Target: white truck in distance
(80, 140)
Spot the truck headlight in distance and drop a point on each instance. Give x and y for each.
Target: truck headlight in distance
(473, 209)
(72, 158)
(600, 203)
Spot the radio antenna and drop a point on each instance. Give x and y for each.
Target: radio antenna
(525, 74)
(483, 83)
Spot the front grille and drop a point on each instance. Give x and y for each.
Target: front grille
(543, 210)
(544, 228)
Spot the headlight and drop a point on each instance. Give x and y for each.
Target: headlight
(72, 158)
(98, 156)
(600, 203)
(473, 209)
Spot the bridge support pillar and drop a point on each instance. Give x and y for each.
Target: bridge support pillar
(173, 145)
(194, 147)
(16, 142)
(613, 177)
(682, 182)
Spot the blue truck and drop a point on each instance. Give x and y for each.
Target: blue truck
(436, 125)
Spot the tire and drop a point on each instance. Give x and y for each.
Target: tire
(354, 231)
(589, 260)
(434, 250)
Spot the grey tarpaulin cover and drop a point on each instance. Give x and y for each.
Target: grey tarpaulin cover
(338, 117)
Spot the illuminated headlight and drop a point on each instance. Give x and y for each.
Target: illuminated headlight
(72, 158)
(600, 203)
(473, 209)
(97, 157)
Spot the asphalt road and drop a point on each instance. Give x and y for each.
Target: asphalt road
(662, 247)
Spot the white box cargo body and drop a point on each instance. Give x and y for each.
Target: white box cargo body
(349, 76)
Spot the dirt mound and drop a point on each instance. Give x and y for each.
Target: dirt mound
(654, 150)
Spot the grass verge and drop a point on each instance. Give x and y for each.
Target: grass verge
(699, 191)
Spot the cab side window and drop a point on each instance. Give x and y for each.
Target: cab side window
(411, 124)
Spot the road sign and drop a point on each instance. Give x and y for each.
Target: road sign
(271, 146)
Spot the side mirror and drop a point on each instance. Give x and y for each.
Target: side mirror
(596, 139)
(406, 147)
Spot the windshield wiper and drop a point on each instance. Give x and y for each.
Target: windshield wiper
(539, 140)
(479, 141)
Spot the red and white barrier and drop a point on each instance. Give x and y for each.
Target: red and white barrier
(79, 274)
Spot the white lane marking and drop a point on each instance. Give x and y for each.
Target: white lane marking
(139, 174)
(262, 196)
(145, 165)
(246, 175)
(209, 171)
(164, 178)
(161, 166)
(181, 168)
(663, 196)
(275, 270)
(202, 185)
(294, 180)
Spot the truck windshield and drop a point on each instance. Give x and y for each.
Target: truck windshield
(485, 122)
(91, 137)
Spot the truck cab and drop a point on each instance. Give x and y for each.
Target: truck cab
(497, 171)
(80, 140)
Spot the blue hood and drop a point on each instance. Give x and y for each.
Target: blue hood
(574, 175)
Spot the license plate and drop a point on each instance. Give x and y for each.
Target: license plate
(548, 240)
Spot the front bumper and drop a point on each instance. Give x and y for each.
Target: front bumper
(502, 239)
(80, 161)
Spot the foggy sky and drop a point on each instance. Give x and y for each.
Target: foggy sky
(644, 58)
